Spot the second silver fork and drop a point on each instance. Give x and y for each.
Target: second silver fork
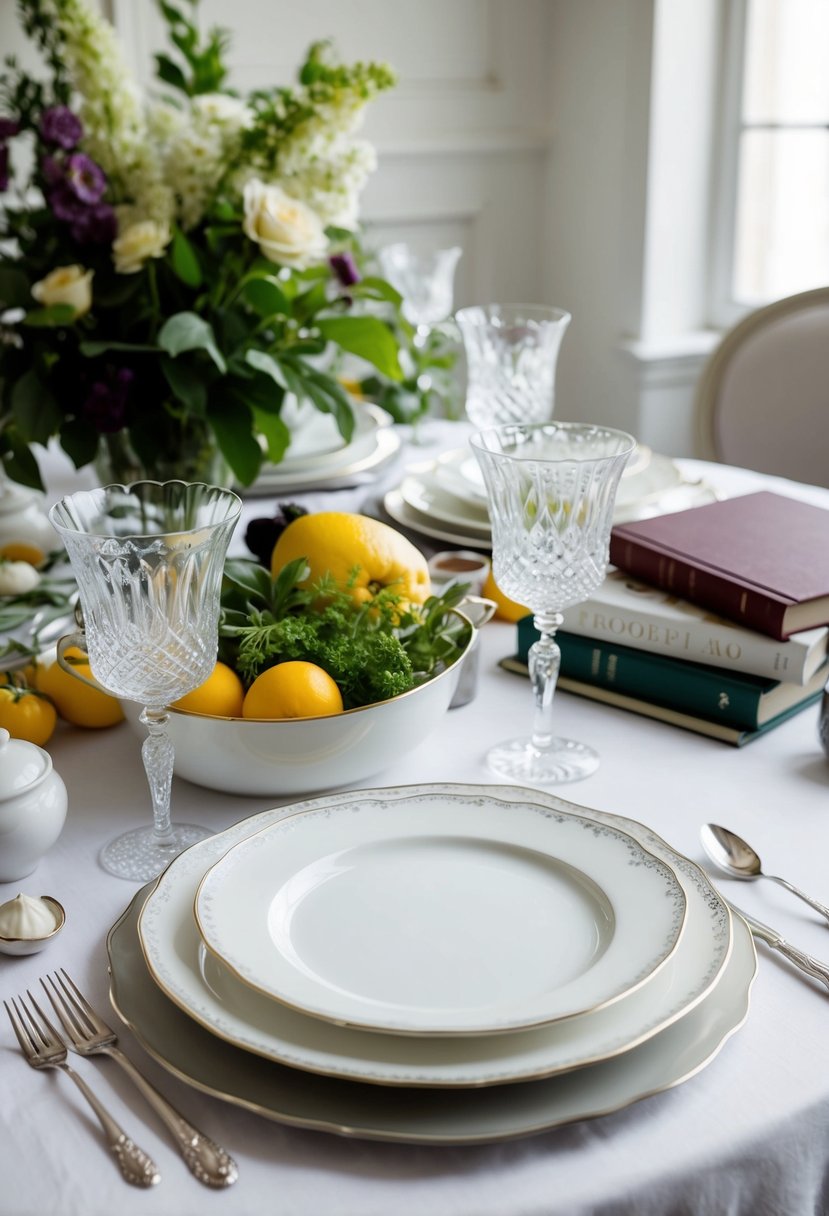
(90, 1035)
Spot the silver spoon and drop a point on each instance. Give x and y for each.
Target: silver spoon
(737, 858)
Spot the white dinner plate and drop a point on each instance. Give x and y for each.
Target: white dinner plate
(440, 911)
(425, 494)
(210, 994)
(428, 1116)
(397, 509)
(385, 443)
(307, 430)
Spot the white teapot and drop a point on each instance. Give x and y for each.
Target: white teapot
(32, 806)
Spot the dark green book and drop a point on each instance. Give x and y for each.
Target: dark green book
(734, 698)
(735, 735)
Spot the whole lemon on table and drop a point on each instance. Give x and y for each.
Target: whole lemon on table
(507, 610)
(26, 715)
(220, 696)
(293, 690)
(75, 701)
(336, 542)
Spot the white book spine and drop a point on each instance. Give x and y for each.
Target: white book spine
(634, 614)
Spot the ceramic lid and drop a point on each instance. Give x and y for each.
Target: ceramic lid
(16, 498)
(22, 765)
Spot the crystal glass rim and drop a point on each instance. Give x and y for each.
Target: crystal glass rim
(232, 516)
(478, 441)
(498, 312)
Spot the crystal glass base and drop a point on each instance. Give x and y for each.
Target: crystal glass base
(136, 855)
(564, 760)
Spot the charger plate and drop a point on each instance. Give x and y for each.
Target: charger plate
(442, 911)
(210, 994)
(423, 1115)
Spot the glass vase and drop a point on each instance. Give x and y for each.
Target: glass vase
(190, 454)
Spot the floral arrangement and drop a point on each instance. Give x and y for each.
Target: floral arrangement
(175, 269)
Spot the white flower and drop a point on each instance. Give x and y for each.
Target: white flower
(16, 578)
(137, 243)
(287, 231)
(66, 285)
(222, 108)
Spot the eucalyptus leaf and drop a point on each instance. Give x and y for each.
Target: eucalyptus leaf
(368, 337)
(231, 421)
(275, 432)
(266, 297)
(184, 260)
(188, 331)
(189, 387)
(263, 362)
(35, 409)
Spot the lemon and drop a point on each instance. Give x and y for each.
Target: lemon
(220, 696)
(337, 543)
(507, 610)
(75, 701)
(293, 690)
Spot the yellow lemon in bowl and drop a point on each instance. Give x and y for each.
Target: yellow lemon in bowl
(294, 689)
(507, 610)
(220, 696)
(361, 554)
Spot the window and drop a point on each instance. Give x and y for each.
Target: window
(773, 166)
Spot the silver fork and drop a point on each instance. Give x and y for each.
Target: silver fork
(43, 1048)
(90, 1035)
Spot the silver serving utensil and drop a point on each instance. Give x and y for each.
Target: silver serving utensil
(43, 1047)
(90, 1035)
(736, 857)
(811, 966)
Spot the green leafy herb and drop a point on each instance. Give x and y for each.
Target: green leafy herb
(373, 650)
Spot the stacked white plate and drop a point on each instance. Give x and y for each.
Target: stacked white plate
(437, 963)
(446, 498)
(319, 458)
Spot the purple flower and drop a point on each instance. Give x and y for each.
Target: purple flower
(106, 405)
(64, 203)
(9, 127)
(52, 170)
(95, 225)
(59, 126)
(345, 269)
(85, 179)
(4, 167)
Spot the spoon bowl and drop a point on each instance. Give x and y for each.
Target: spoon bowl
(737, 858)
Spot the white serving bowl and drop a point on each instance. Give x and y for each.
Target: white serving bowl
(303, 755)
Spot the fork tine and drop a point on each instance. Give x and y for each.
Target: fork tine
(96, 1024)
(68, 1022)
(56, 1040)
(26, 1044)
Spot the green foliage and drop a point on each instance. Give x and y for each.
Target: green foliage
(373, 651)
(204, 339)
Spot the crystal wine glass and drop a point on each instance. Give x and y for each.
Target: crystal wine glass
(148, 559)
(511, 356)
(424, 280)
(551, 488)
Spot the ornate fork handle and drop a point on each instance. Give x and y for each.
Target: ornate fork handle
(804, 961)
(137, 1168)
(208, 1162)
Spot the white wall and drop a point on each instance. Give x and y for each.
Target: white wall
(548, 138)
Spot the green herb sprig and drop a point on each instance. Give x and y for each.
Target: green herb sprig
(373, 651)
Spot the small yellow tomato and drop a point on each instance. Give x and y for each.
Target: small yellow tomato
(26, 714)
(76, 701)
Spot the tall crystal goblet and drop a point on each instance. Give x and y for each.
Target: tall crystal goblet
(551, 488)
(148, 559)
(511, 359)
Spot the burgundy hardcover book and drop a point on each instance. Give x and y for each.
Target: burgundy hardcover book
(760, 559)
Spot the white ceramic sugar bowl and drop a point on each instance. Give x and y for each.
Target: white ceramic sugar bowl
(25, 530)
(32, 806)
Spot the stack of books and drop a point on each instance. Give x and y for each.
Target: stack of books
(713, 619)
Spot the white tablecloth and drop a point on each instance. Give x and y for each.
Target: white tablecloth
(749, 1135)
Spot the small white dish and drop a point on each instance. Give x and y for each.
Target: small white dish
(459, 566)
(32, 945)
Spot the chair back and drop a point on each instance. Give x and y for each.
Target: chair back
(763, 397)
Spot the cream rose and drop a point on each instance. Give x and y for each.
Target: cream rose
(137, 243)
(66, 285)
(285, 229)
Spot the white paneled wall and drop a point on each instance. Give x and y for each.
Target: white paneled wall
(462, 140)
(524, 131)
